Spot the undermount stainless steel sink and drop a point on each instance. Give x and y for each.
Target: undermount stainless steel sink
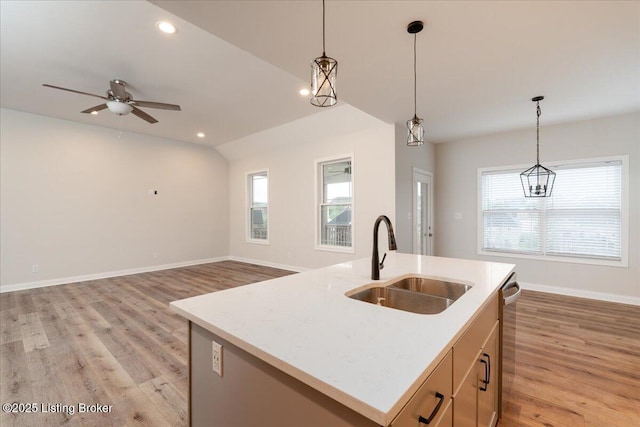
(414, 294)
(439, 288)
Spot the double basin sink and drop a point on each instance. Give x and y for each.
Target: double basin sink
(415, 294)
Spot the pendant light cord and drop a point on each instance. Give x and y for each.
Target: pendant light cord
(538, 112)
(323, 48)
(415, 79)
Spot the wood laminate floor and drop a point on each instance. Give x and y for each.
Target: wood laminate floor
(110, 342)
(577, 363)
(114, 342)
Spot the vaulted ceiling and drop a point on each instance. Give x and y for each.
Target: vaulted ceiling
(236, 67)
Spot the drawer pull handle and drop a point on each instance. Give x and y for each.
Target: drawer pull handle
(424, 420)
(487, 371)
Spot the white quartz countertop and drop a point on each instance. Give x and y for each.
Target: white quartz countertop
(367, 357)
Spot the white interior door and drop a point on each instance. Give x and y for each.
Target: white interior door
(422, 212)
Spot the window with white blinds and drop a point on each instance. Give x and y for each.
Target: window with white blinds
(583, 218)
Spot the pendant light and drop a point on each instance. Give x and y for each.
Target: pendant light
(415, 136)
(323, 77)
(537, 181)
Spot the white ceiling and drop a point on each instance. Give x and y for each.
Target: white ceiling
(479, 62)
(83, 45)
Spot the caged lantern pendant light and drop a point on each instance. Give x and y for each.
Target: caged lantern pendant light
(415, 136)
(323, 77)
(537, 181)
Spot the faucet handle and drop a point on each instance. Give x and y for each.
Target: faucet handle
(382, 262)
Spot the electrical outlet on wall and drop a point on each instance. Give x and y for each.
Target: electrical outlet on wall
(216, 357)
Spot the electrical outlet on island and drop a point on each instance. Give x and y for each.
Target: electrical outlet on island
(216, 357)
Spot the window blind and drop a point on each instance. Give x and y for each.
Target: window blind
(582, 218)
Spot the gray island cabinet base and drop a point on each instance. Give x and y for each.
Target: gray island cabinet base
(253, 393)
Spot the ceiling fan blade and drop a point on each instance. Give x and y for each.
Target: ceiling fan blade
(96, 108)
(75, 91)
(144, 116)
(160, 105)
(117, 87)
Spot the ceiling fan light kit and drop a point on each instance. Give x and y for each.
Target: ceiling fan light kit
(120, 108)
(415, 136)
(324, 71)
(120, 102)
(537, 181)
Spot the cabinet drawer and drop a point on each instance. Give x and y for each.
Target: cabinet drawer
(424, 402)
(465, 350)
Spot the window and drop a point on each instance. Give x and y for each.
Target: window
(585, 219)
(258, 207)
(335, 204)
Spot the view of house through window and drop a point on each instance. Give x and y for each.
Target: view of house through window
(258, 206)
(336, 203)
(583, 218)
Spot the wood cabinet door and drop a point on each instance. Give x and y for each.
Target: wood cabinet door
(465, 350)
(465, 408)
(488, 381)
(447, 417)
(431, 401)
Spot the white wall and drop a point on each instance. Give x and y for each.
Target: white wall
(421, 157)
(289, 152)
(456, 191)
(75, 201)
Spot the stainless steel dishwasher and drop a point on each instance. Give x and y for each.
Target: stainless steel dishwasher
(509, 294)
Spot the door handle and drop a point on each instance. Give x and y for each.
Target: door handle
(423, 420)
(487, 371)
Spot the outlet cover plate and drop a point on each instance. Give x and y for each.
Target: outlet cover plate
(216, 357)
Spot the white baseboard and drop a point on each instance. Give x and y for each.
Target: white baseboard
(269, 264)
(602, 296)
(105, 275)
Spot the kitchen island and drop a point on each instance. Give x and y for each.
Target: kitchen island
(297, 346)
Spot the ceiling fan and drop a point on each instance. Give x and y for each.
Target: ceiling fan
(120, 102)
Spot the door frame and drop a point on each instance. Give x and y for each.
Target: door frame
(417, 173)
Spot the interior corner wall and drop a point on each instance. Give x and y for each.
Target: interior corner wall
(456, 196)
(407, 158)
(75, 201)
(292, 187)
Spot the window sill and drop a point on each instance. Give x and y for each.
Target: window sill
(572, 260)
(258, 241)
(340, 249)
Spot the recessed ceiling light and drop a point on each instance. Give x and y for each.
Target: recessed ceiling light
(304, 92)
(200, 135)
(94, 113)
(166, 27)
